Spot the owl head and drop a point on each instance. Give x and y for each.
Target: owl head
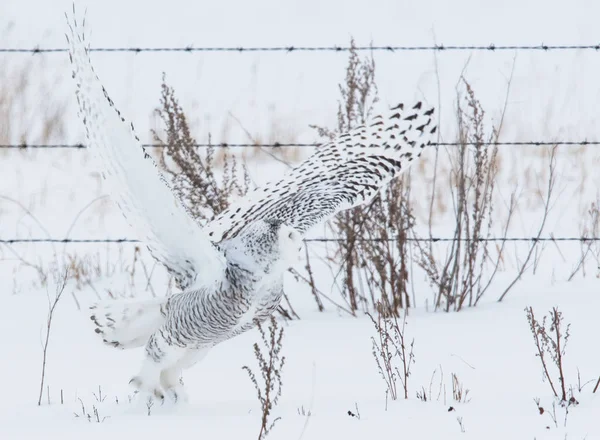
(266, 245)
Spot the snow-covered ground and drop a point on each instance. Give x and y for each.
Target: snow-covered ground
(329, 371)
(329, 368)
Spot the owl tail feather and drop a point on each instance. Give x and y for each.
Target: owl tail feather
(127, 324)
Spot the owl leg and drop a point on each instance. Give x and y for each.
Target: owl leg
(171, 382)
(160, 355)
(170, 378)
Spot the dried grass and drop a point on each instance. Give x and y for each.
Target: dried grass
(270, 363)
(204, 190)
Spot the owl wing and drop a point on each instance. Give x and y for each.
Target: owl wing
(141, 191)
(347, 172)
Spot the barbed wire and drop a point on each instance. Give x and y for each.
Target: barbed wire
(291, 49)
(205, 145)
(320, 240)
(463, 239)
(305, 145)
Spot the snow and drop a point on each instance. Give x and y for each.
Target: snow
(329, 370)
(329, 366)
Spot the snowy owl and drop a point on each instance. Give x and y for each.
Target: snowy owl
(231, 270)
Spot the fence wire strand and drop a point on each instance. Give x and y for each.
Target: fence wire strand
(25, 146)
(320, 240)
(296, 49)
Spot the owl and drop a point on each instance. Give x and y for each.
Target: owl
(231, 270)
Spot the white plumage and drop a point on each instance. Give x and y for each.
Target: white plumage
(231, 271)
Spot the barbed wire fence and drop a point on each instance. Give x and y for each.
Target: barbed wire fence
(25, 146)
(296, 49)
(323, 240)
(291, 49)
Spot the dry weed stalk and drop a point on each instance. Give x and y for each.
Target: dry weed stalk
(94, 416)
(427, 394)
(390, 345)
(204, 190)
(551, 341)
(311, 280)
(590, 227)
(356, 413)
(460, 394)
(547, 206)
(91, 267)
(372, 271)
(462, 277)
(270, 365)
(38, 267)
(61, 281)
(461, 424)
(552, 413)
(316, 292)
(357, 96)
(24, 118)
(88, 269)
(385, 254)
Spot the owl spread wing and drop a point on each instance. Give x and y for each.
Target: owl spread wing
(342, 174)
(142, 193)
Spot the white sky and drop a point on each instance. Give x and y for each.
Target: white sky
(276, 95)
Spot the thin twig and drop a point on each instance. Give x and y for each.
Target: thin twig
(52, 306)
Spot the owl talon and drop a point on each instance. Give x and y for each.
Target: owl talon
(177, 394)
(155, 391)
